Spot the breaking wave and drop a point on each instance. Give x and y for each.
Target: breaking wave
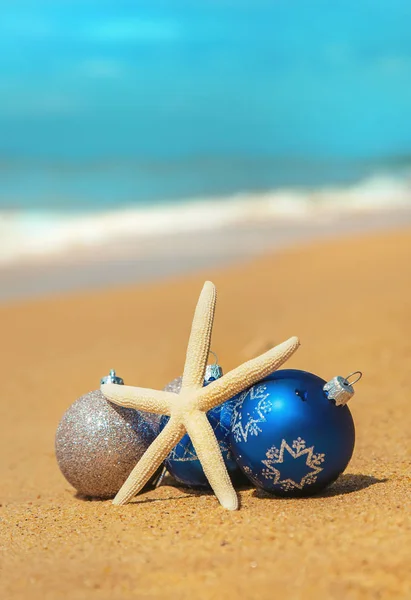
(35, 234)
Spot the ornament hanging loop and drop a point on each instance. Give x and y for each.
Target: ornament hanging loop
(356, 380)
(215, 357)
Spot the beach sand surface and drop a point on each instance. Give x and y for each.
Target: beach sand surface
(349, 301)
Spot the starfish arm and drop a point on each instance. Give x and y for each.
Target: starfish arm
(148, 464)
(200, 338)
(128, 396)
(209, 454)
(246, 375)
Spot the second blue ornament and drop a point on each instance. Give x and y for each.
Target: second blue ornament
(182, 463)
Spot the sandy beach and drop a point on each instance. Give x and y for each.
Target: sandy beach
(349, 301)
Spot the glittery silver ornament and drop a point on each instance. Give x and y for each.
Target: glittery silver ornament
(98, 443)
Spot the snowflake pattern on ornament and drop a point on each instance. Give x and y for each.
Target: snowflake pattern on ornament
(275, 457)
(185, 452)
(244, 425)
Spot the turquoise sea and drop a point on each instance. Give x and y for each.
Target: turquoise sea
(112, 106)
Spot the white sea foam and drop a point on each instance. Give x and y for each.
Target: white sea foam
(33, 235)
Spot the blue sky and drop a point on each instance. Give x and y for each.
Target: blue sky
(96, 79)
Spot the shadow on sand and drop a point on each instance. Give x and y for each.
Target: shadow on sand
(346, 484)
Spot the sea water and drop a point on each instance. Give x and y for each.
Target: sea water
(122, 118)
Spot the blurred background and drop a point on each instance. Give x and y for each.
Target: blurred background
(220, 128)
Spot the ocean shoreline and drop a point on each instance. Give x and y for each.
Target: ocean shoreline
(139, 259)
(36, 233)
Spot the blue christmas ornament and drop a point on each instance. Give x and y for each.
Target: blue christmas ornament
(182, 463)
(292, 434)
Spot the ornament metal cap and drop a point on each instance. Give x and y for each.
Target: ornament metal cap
(112, 378)
(340, 389)
(214, 371)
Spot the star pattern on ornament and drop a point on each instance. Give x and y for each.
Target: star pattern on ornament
(187, 410)
(241, 430)
(305, 463)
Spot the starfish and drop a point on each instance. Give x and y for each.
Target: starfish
(187, 410)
